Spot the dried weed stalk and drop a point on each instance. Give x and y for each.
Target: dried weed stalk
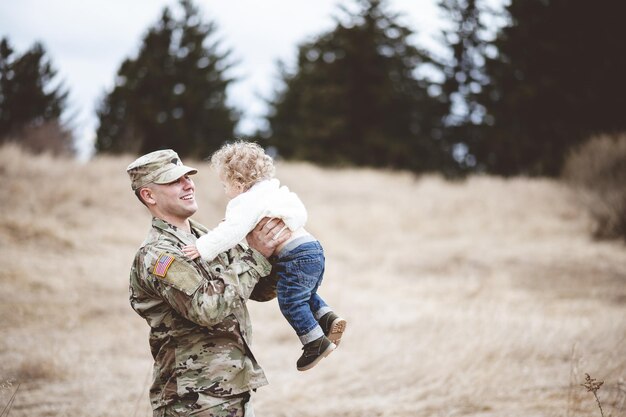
(593, 386)
(7, 408)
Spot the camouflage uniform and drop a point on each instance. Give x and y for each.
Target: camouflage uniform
(238, 406)
(200, 327)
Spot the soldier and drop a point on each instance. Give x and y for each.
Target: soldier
(199, 324)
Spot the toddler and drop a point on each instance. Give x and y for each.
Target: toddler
(247, 174)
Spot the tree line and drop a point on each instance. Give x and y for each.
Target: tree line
(508, 99)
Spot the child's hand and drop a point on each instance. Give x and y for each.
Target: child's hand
(191, 251)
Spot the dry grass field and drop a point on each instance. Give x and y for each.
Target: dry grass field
(485, 297)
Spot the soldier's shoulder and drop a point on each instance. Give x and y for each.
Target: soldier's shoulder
(162, 244)
(151, 251)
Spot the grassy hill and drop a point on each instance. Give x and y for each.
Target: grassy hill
(478, 298)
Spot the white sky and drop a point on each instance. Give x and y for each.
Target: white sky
(87, 40)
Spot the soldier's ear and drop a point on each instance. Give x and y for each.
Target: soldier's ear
(146, 196)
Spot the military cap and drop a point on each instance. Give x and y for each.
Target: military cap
(158, 167)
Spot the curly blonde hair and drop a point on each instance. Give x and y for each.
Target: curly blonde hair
(243, 163)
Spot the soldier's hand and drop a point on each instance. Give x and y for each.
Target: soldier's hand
(267, 235)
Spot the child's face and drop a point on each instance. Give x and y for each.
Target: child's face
(230, 189)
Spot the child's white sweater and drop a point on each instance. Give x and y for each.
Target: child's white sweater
(264, 199)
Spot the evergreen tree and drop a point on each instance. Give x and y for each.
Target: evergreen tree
(173, 94)
(31, 98)
(354, 98)
(558, 78)
(466, 40)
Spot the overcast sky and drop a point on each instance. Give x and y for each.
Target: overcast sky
(87, 40)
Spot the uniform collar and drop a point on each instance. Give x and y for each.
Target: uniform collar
(165, 227)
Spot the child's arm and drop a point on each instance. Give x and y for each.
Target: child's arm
(191, 251)
(242, 214)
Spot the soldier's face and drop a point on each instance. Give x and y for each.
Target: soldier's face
(176, 199)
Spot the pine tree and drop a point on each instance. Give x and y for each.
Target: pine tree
(466, 40)
(354, 98)
(173, 94)
(32, 100)
(558, 78)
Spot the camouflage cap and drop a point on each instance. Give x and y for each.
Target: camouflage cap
(158, 167)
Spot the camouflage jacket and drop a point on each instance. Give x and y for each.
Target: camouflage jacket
(199, 325)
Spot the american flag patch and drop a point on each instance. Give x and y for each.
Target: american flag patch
(162, 265)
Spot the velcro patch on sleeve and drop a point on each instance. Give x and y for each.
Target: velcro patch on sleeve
(178, 274)
(162, 265)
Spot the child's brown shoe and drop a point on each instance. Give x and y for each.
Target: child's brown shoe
(333, 326)
(314, 352)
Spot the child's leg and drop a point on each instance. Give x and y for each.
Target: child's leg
(293, 302)
(318, 306)
(332, 325)
(299, 276)
(300, 272)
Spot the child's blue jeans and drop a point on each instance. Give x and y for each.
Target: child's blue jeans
(300, 269)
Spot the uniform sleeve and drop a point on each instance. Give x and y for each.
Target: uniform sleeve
(265, 289)
(207, 297)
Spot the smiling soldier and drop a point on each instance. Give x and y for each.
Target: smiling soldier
(200, 328)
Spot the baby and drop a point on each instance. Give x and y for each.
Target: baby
(247, 174)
